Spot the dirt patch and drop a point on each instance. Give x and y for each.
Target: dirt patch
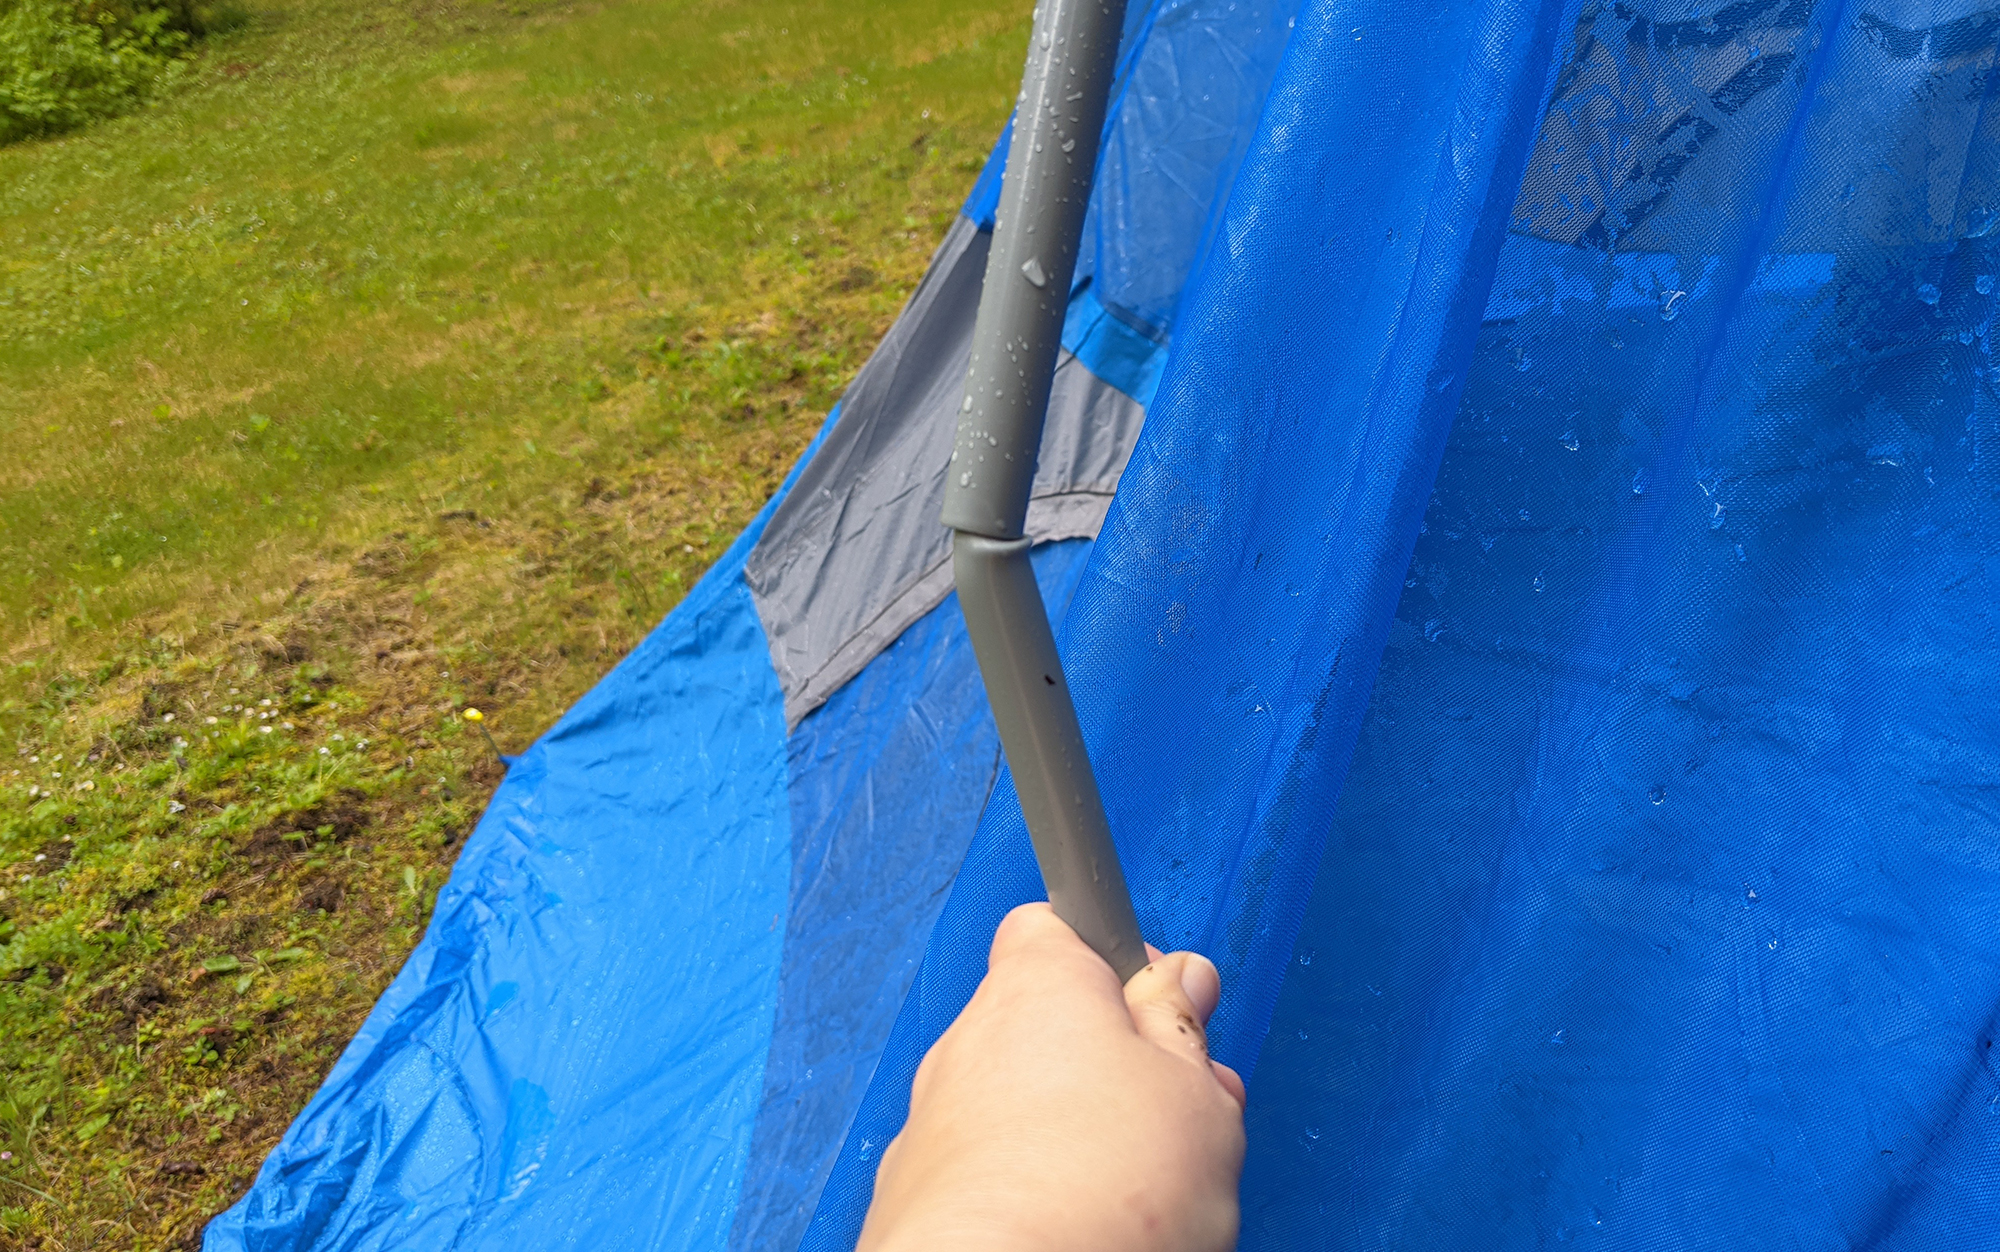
(322, 894)
(131, 1004)
(339, 818)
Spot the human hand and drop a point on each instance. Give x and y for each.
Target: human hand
(1062, 1111)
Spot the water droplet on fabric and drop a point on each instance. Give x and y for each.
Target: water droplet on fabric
(1670, 304)
(1302, 1036)
(1443, 383)
(1740, 554)
(1639, 481)
(1569, 440)
(1556, 1037)
(1979, 223)
(1927, 292)
(1432, 629)
(1847, 193)
(1538, 582)
(1523, 515)
(1031, 269)
(1309, 1136)
(1715, 520)
(965, 479)
(1486, 543)
(1983, 284)
(1658, 794)
(1523, 362)
(1306, 957)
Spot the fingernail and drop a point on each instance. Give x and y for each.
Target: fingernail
(1202, 982)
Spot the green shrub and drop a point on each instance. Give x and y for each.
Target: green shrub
(64, 63)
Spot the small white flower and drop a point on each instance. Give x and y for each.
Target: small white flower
(289, 726)
(211, 721)
(180, 743)
(337, 736)
(264, 704)
(325, 751)
(34, 759)
(40, 857)
(264, 729)
(168, 718)
(175, 806)
(177, 864)
(232, 691)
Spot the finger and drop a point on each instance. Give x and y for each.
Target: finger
(1163, 1011)
(1036, 954)
(1034, 930)
(1231, 1081)
(1202, 982)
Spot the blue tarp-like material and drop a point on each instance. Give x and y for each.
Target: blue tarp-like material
(1542, 647)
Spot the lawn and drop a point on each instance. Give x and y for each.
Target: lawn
(408, 356)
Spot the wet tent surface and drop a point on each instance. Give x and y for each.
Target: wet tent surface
(1542, 647)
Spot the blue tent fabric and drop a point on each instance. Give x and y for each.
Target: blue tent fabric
(865, 891)
(1542, 647)
(1223, 641)
(508, 1082)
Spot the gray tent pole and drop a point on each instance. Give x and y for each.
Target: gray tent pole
(1071, 57)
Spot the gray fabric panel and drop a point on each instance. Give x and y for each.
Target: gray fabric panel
(855, 553)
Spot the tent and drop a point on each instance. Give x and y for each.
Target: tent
(1520, 508)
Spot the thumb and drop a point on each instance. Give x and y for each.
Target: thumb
(1170, 1000)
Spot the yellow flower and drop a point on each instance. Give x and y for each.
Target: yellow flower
(473, 715)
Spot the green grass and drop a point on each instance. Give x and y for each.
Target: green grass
(409, 356)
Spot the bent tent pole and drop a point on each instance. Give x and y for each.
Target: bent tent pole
(1072, 54)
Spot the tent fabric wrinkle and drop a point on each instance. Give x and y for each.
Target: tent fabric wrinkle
(1520, 511)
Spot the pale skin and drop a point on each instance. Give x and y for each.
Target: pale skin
(1063, 1112)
